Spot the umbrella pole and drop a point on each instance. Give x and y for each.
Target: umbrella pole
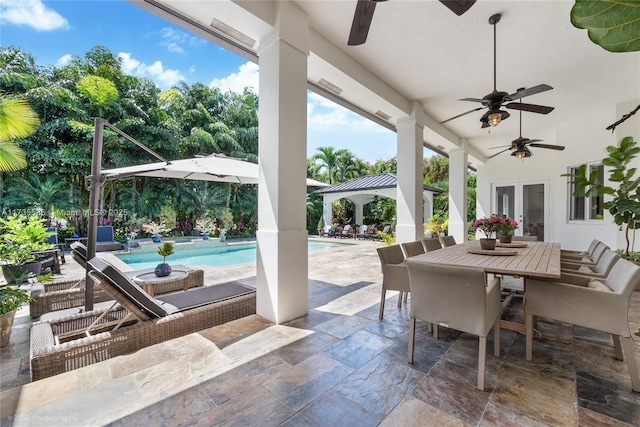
(95, 183)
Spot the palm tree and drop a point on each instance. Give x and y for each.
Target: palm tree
(17, 120)
(33, 191)
(327, 157)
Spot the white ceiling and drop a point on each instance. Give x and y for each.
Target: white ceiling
(420, 50)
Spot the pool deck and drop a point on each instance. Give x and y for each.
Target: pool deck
(337, 366)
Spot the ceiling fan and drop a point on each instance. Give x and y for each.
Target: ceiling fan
(520, 146)
(364, 14)
(495, 100)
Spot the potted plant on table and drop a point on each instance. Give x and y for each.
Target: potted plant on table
(489, 227)
(164, 250)
(507, 227)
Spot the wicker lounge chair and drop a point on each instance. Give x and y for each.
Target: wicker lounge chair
(63, 295)
(137, 321)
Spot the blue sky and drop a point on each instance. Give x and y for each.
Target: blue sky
(53, 31)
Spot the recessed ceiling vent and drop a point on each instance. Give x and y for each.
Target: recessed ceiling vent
(330, 86)
(383, 115)
(439, 147)
(232, 33)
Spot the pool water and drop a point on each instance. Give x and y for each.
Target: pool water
(214, 256)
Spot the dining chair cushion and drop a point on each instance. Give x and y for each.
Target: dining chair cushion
(599, 286)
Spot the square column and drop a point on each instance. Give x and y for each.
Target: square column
(327, 210)
(282, 264)
(409, 207)
(458, 195)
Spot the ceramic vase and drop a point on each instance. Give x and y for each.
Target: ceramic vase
(163, 270)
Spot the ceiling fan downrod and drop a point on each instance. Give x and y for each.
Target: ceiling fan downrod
(493, 20)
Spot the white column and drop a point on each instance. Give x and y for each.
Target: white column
(358, 213)
(409, 198)
(458, 194)
(427, 200)
(327, 210)
(282, 265)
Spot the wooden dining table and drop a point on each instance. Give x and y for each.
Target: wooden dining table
(533, 259)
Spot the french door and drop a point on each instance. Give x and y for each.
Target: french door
(527, 203)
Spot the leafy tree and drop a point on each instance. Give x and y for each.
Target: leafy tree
(436, 169)
(100, 92)
(385, 166)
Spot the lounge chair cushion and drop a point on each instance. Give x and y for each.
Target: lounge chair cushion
(152, 307)
(168, 304)
(205, 295)
(80, 249)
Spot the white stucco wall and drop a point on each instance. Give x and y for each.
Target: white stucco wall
(585, 140)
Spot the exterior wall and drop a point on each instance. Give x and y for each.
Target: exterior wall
(585, 140)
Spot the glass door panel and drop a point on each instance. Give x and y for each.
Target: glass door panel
(526, 204)
(533, 211)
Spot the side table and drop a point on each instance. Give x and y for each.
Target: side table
(182, 277)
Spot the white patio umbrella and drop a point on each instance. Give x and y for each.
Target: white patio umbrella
(216, 167)
(211, 168)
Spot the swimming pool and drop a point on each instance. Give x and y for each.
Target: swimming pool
(212, 256)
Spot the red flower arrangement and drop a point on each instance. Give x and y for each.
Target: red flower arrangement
(489, 226)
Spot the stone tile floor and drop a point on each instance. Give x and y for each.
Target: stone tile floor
(337, 366)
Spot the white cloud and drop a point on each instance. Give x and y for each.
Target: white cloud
(32, 13)
(128, 63)
(174, 48)
(247, 76)
(64, 60)
(155, 71)
(175, 40)
(323, 113)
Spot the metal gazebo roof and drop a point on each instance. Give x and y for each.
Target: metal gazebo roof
(371, 182)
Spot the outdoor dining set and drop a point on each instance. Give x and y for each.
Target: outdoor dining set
(461, 287)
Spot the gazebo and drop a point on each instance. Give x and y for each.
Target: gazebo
(367, 189)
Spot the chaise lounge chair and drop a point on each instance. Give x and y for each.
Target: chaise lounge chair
(138, 320)
(50, 297)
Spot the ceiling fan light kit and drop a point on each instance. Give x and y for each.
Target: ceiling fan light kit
(519, 146)
(493, 117)
(498, 99)
(522, 153)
